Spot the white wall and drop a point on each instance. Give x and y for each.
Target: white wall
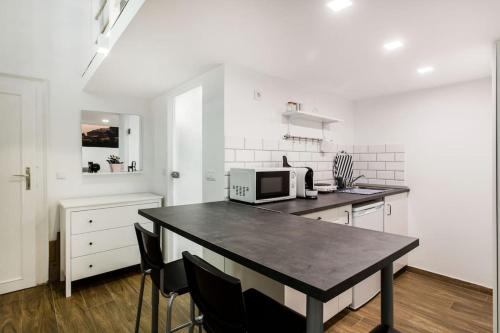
(448, 134)
(46, 40)
(246, 117)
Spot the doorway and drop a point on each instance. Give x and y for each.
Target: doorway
(22, 184)
(185, 171)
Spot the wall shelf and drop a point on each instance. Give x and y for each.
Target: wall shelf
(88, 174)
(310, 116)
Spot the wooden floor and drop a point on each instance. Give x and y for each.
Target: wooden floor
(108, 304)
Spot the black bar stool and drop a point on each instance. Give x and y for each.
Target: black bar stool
(226, 309)
(169, 278)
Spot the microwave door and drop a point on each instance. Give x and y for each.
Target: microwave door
(273, 184)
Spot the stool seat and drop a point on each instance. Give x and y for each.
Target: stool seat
(174, 278)
(265, 315)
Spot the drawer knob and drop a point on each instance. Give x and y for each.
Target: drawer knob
(90, 266)
(90, 221)
(318, 218)
(91, 243)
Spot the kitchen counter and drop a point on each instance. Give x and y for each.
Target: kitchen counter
(302, 206)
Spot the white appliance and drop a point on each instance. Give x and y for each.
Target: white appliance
(305, 183)
(368, 216)
(260, 185)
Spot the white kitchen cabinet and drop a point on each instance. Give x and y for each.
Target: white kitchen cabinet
(339, 215)
(396, 221)
(297, 300)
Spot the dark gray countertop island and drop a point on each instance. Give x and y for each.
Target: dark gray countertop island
(318, 258)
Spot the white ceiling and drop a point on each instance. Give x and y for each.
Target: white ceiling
(171, 41)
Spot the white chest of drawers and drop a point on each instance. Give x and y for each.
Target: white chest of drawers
(97, 234)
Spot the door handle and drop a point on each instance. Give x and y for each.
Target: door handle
(27, 177)
(390, 209)
(348, 217)
(175, 174)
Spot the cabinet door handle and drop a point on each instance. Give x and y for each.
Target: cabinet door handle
(348, 217)
(390, 209)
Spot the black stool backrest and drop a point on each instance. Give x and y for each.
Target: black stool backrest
(217, 295)
(151, 255)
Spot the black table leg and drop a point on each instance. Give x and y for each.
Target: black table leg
(387, 302)
(155, 295)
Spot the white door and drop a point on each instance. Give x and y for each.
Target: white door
(186, 162)
(17, 200)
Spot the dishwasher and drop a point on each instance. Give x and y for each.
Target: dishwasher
(367, 216)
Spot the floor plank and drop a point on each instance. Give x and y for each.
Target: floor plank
(422, 304)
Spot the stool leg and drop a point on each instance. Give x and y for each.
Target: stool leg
(139, 305)
(171, 299)
(191, 314)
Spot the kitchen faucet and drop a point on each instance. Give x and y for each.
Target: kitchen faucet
(351, 183)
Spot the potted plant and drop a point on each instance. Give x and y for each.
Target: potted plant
(114, 163)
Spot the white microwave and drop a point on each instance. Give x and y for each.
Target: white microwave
(262, 185)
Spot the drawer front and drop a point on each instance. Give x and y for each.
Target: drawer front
(105, 240)
(345, 299)
(103, 262)
(107, 218)
(340, 215)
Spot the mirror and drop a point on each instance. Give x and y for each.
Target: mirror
(111, 142)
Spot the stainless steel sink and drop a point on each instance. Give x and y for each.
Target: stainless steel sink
(363, 190)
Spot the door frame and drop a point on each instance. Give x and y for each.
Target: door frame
(39, 181)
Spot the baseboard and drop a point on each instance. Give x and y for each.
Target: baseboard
(54, 258)
(448, 279)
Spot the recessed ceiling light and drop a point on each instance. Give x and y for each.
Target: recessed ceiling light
(393, 45)
(425, 70)
(105, 121)
(338, 5)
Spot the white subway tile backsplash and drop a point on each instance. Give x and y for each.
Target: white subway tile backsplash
(271, 164)
(377, 181)
(286, 145)
(253, 164)
(229, 165)
(385, 157)
(293, 156)
(368, 173)
(360, 165)
(299, 146)
(395, 148)
(244, 155)
(312, 146)
(385, 174)
(234, 142)
(346, 148)
(304, 156)
(394, 182)
(376, 148)
(381, 164)
(253, 143)
(376, 165)
(399, 166)
(263, 155)
(360, 148)
(367, 157)
(229, 155)
(277, 156)
(328, 146)
(323, 166)
(270, 144)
